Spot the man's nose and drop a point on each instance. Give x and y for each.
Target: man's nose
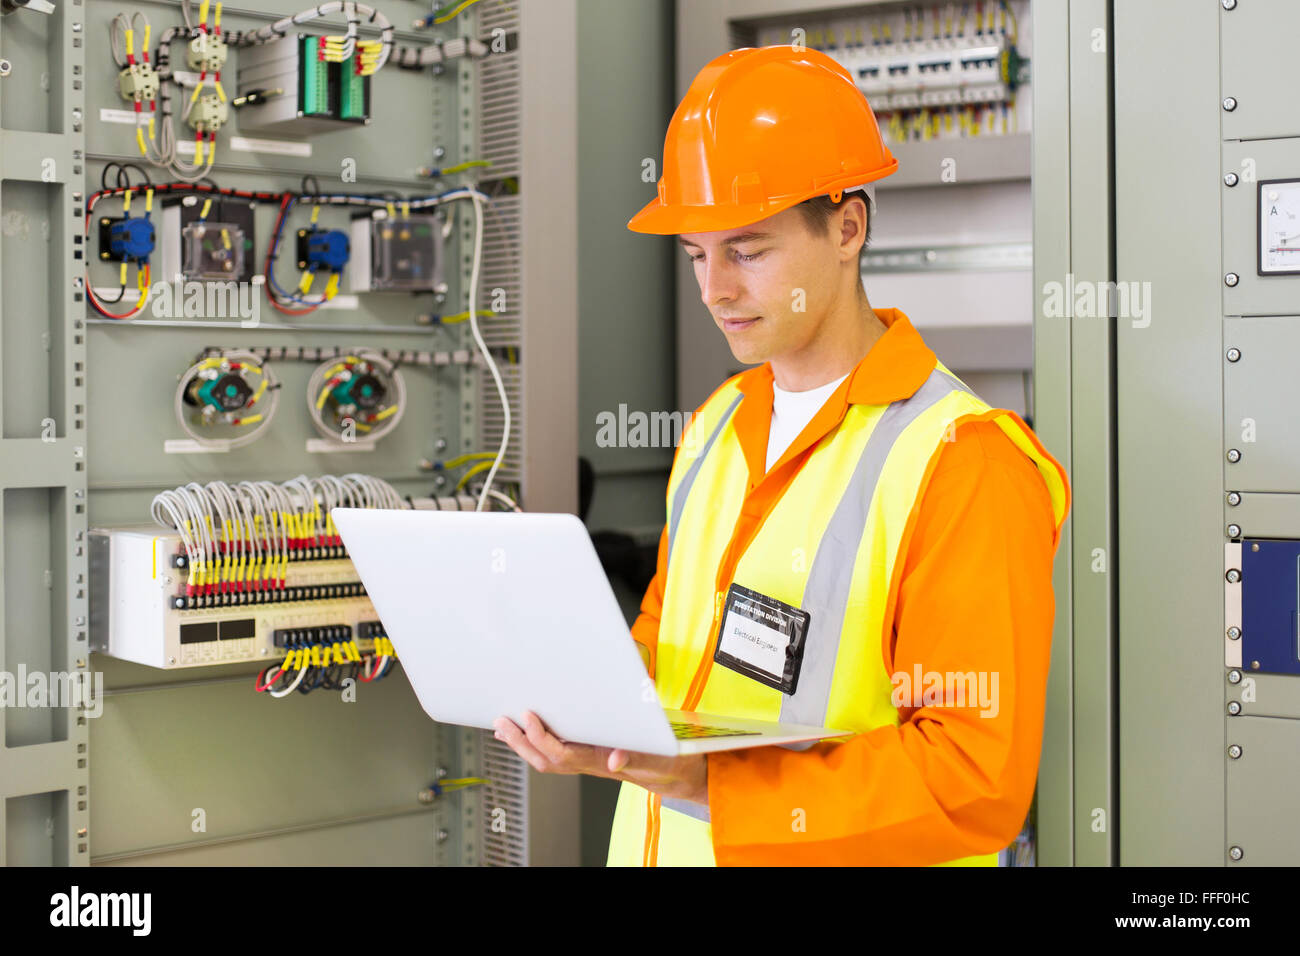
(718, 283)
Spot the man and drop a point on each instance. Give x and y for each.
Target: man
(850, 477)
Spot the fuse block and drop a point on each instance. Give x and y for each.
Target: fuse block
(207, 52)
(209, 114)
(138, 82)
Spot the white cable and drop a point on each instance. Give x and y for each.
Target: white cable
(506, 500)
(292, 687)
(476, 198)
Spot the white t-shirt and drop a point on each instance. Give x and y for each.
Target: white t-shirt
(791, 412)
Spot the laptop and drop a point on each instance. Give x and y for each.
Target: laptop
(496, 613)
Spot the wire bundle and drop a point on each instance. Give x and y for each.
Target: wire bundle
(337, 47)
(325, 661)
(239, 539)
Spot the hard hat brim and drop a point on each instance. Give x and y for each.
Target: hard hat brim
(657, 219)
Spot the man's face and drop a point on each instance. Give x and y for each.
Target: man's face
(774, 273)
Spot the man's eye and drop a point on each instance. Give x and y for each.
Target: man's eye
(749, 258)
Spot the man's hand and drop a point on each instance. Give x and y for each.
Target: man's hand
(681, 778)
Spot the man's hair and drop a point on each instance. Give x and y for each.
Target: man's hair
(817, 213)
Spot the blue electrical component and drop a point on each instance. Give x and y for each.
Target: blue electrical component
(1270, 599)
(326, 249)
(129, 239)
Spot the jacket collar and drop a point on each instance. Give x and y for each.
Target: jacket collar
(895, 366)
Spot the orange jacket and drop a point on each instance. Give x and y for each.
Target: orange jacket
(975, 594)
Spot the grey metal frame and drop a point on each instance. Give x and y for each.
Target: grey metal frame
(43, 756)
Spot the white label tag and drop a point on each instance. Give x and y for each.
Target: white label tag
(281, 147)
(757, 644)
(119, 116)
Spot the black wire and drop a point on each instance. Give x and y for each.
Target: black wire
(143, 175)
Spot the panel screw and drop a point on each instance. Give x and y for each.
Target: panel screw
(1234, 676)
(1234, 633)
(5, 67)
(1229, 4)
(1234, 531)
(1230, 179)
(1231, 279)
(442, 835)
(1254, 546)
(1234, 498)
(1234, 355)
(1234, 455)
(1233, 575)
(1234, 751)
(1229, 103)
(1235, 852)
(1234, 707)
(1254, 665)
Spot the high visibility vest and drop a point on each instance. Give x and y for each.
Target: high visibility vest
(844, 511)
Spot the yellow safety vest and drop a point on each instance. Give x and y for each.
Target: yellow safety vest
(846, 508)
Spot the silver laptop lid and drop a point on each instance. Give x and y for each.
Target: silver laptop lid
(497, 613)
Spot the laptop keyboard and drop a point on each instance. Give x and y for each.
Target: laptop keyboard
(688, 731)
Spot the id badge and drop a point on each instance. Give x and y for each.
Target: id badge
(762, 638)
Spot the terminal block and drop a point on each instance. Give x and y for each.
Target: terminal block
(138, 83)
(209, 114)
(206, 52)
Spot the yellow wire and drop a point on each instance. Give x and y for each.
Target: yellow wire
(461, 459)
(453, 14)
(464, 479)
(463, 316)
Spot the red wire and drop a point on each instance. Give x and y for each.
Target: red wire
(144, 298)
(266, 272)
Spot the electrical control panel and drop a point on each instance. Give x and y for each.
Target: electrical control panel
(187, 309)
(142, 613)
(400, 252)
(218, 247)
(298, 91)
(929, 70)
(1264, 605)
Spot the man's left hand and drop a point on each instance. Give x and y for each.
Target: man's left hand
(681, 778)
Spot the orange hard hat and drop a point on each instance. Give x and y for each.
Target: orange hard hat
(761, 130)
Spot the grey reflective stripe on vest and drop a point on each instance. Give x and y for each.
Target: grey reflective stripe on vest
(684, 488)
(958, 382)
(826, 594)
(697, 810)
